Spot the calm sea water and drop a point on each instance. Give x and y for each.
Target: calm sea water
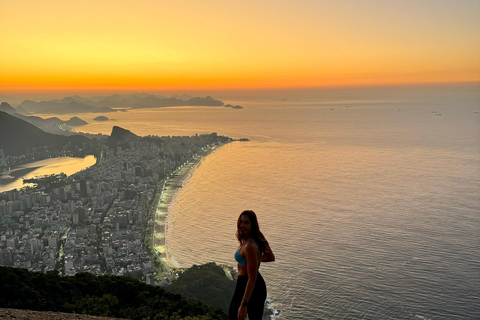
(370, 199)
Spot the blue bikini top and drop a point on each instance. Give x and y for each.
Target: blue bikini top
(239, 258)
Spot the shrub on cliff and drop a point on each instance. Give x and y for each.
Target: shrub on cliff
(207, 283)
(112, 296)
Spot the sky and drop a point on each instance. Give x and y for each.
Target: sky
(152, 45)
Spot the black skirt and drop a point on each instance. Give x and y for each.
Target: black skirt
(256, 302)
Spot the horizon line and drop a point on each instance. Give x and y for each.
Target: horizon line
(117, 90)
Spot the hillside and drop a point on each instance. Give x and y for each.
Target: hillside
(206, 283)
(14, 314)
(16, 135)
(53, 124)
(107, 296)
(5, 107)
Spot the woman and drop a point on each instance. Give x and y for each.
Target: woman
(250, 291)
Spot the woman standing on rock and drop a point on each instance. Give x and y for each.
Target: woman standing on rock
(250, 291)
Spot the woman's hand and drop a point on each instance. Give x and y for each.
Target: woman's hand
(268, 255)
(242, 313)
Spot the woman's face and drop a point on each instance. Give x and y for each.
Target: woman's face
(245, 224)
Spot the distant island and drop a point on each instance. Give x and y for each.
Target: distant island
(76, 122)
(101, 118)
(233, 107)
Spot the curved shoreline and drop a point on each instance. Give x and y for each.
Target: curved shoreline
(168, 192)
(11, 179)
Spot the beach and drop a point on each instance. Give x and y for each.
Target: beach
(173, 183)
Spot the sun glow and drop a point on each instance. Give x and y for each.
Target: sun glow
(152, 45)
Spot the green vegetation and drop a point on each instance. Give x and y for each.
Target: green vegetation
(48, 182)
(207, 283)
(107, 296)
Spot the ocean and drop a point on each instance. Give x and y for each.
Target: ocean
(370, 199)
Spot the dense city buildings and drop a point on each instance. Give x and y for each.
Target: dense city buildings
(96, 220)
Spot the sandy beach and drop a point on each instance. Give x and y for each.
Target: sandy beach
(172, 185)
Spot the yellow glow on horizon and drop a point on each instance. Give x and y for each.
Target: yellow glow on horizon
(148, 45)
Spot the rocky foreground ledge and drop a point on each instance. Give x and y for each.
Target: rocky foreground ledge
(46, 315)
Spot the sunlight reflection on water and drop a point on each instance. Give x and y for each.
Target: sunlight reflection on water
(68, 165)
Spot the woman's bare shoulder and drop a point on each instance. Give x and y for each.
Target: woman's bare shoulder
(251, 244)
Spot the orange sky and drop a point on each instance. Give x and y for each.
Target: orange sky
(146, 45)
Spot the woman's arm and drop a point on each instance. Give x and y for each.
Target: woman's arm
(268, 255)
(251, 254)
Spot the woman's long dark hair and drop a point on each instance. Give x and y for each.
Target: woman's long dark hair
(254, 232)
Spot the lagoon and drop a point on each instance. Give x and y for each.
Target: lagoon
(13, 179)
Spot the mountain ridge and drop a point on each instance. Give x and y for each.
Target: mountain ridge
(5, 107)
(107, 104)
(16, 135)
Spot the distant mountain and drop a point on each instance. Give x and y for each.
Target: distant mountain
(125, 101)
(76, 107)
(75, 99)
(154, 102)
(113, 101)
(182, 97)
(99, 104)
(62, 107)
(37, 121)
(207, 101)
(22, 111)
(121, 134)
(120, 138)
(76, 122)
(5, 107)
(16, 135)
(52, 125)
